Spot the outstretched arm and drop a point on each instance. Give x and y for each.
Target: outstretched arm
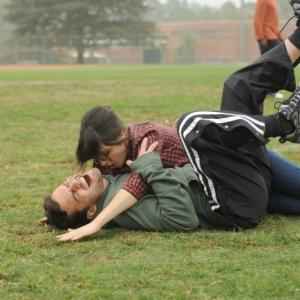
(120, 203)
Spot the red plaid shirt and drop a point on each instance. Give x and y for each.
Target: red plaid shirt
(169, 148)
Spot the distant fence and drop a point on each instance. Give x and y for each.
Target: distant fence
(177, 43)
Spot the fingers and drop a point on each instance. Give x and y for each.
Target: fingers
(152, 146)
(170, 124)
(167, 123)
(175, 123)
(43, 221)
(69, 236)
(144, 147)
(79, 233)
(129, 162)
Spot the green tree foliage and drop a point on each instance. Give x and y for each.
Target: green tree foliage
(80, 24)
(5, 30)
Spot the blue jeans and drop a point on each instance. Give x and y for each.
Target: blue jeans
(285, 186)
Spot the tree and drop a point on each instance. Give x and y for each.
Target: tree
(81, 24)
(5, 33)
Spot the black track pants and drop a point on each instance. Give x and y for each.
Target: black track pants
(227, 149)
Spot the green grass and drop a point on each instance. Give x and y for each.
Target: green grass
(40, 113)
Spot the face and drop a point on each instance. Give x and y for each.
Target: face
(113, 156)
(80, 191)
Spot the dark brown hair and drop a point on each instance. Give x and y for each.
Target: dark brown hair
(60, 219)
(98, 125)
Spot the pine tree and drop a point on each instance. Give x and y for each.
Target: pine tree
(81, 24)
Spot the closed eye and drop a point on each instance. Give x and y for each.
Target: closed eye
(66, 184)
(75, 196)
(103, 156)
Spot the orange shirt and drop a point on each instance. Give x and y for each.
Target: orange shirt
(266, 20)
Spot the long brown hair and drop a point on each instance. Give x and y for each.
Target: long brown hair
(99, 125)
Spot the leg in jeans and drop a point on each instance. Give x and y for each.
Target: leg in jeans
(285, 187)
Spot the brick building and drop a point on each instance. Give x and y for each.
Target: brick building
(205, 42)
(193, 42)
(214, 41)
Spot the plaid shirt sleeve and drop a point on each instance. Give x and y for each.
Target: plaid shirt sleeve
(136, 186)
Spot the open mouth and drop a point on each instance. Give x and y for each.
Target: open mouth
(87, 179)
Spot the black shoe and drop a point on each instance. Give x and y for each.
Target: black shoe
(290, 110)
(296, 7)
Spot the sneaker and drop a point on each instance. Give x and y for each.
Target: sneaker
(276, 95)
(290, 110)
(296, 7)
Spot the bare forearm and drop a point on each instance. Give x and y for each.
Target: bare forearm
(120, 203)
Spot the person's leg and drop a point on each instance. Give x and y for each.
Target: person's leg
(236, 189)
(283, 204)
(222, 148)
(249, 98)
(263, 47)
(235, 179)
(246, 89)
(273, 43)
(285, 187)
(296, 7)
(286, 175)
(267, 45)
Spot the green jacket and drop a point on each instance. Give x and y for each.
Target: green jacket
(173, 204)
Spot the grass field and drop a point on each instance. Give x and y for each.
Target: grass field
(40, 111)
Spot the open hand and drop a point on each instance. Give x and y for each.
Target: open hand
(79, 233)
(43, 221)
(144, 149)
